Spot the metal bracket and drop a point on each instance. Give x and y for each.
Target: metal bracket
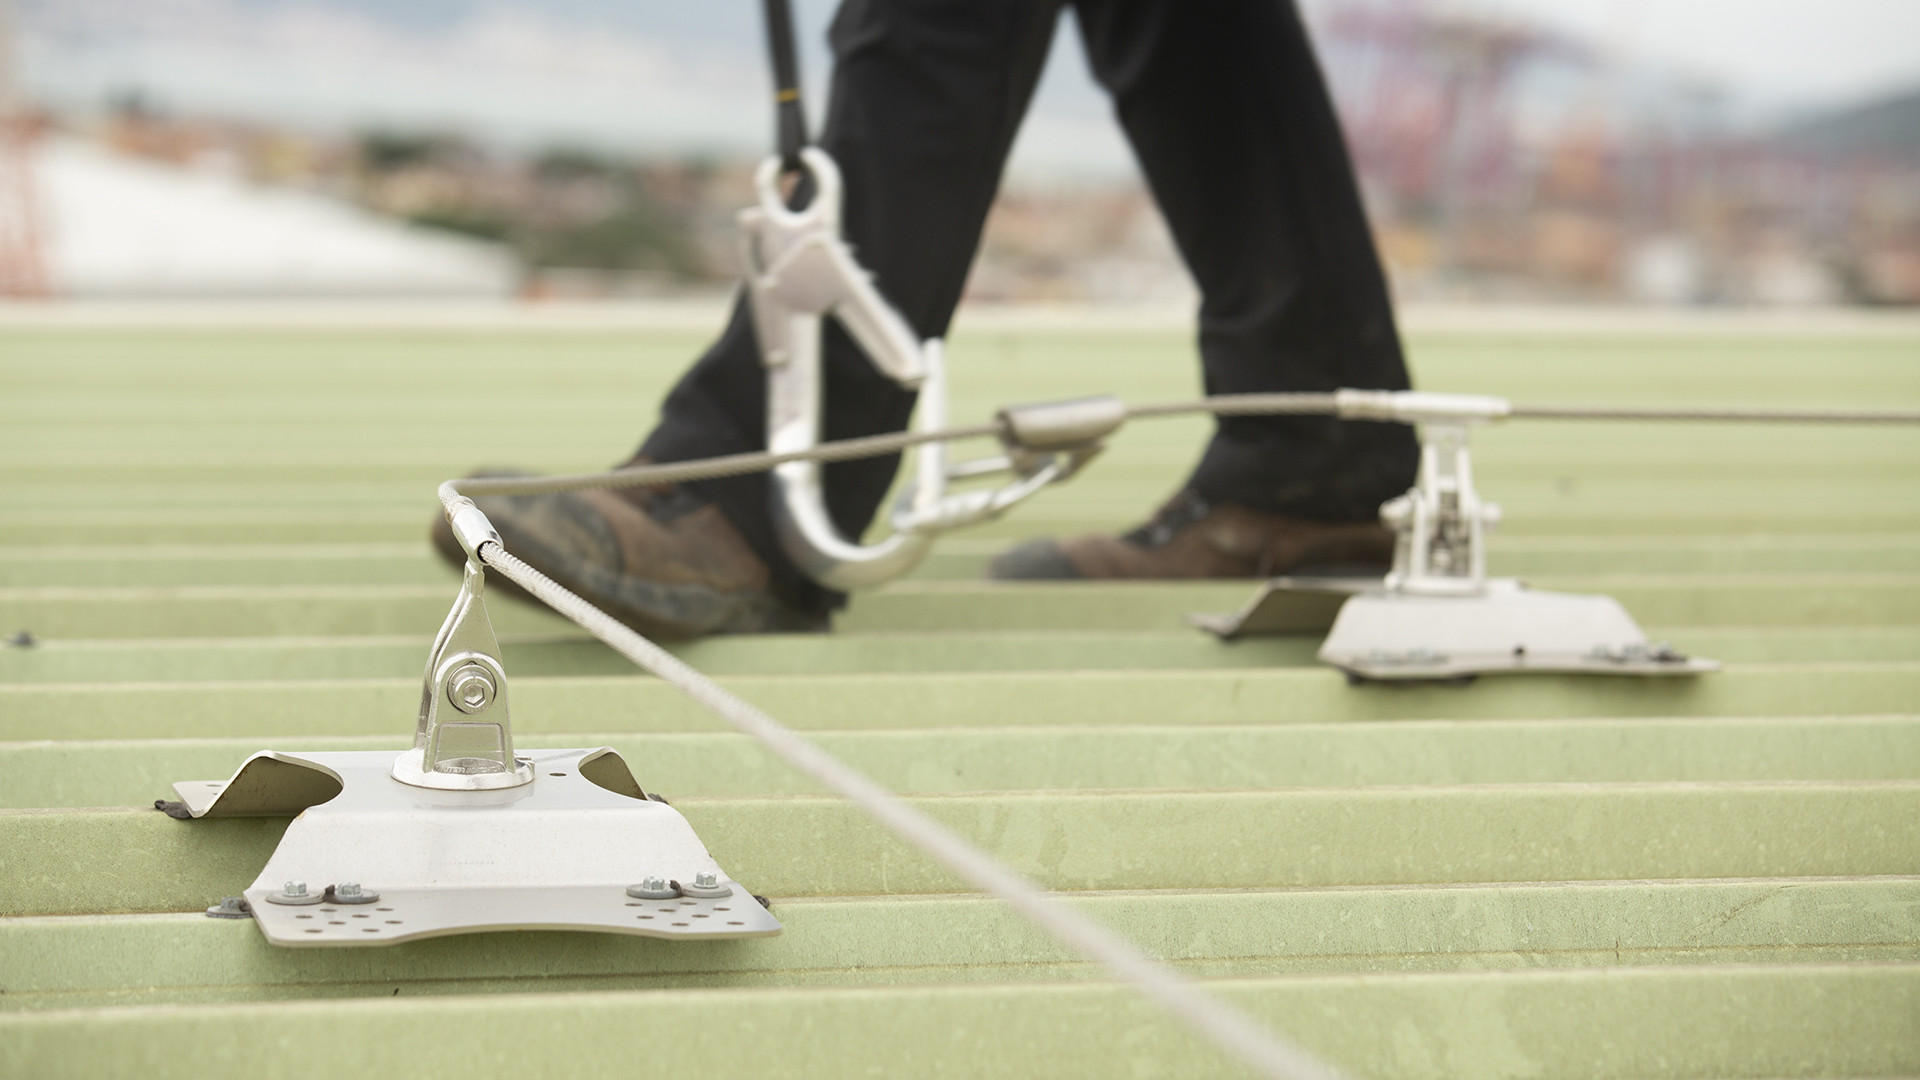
(558, 853)
(464, 740)
(461, 834)
(800, 270)
(1441, 524)
(1436, 614)
(1392, 635)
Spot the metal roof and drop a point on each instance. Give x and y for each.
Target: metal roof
(216, 537)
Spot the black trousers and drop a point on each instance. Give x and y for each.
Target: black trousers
(1226, 110)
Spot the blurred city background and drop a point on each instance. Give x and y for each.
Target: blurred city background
(1679, 152)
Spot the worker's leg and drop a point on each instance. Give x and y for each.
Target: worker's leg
(1226, 109)
(926, 98)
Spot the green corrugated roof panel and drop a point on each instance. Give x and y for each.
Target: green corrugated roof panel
(216, 537)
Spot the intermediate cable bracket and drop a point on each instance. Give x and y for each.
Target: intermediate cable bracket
(1436, 614)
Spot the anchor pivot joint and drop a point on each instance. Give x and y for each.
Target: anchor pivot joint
(464, 739)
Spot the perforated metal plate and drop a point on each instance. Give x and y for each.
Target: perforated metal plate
(556, 854)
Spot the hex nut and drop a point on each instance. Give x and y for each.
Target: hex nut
(295, 893)
(653, 888)
(351, 892)
(707, 885)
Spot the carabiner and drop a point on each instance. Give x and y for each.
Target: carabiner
(800, 270)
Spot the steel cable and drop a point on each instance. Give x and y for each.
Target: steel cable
(1303, 404)
(1755, 416)
(1227, 1027)
(683, 472)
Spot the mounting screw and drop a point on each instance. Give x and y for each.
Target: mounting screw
(707, 884)
(350, 892)
(1667, 654)
(653, 887)
(470, 688)
(295, 892)
(231, 907)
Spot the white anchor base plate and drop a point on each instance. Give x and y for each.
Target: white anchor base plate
(1505, 628)
(554, 854)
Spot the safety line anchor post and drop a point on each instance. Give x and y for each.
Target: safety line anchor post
(1436, 614)
(462, 833)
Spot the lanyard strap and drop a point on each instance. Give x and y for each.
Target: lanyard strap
(790, 119)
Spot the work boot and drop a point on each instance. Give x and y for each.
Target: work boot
(1192, 538)
(658, 559)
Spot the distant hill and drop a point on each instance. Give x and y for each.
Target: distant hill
(1889, 127)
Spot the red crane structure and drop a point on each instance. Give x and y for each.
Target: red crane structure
(1427, 98)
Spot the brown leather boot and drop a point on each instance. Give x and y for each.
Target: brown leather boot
(663, 562)
(1192, 538)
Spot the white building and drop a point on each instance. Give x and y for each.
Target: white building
(114, 226)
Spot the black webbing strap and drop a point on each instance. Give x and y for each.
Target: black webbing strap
(789, 119)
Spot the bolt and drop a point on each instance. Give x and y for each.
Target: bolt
(470, 688)
(352, 892)
(653, 887)
(296, 894)
(707, 885)
(230, 907)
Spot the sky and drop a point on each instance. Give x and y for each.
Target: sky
(683, 76)
(1812, 52)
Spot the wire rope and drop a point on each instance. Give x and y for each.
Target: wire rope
(1227, 1027)
(1301, 404)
